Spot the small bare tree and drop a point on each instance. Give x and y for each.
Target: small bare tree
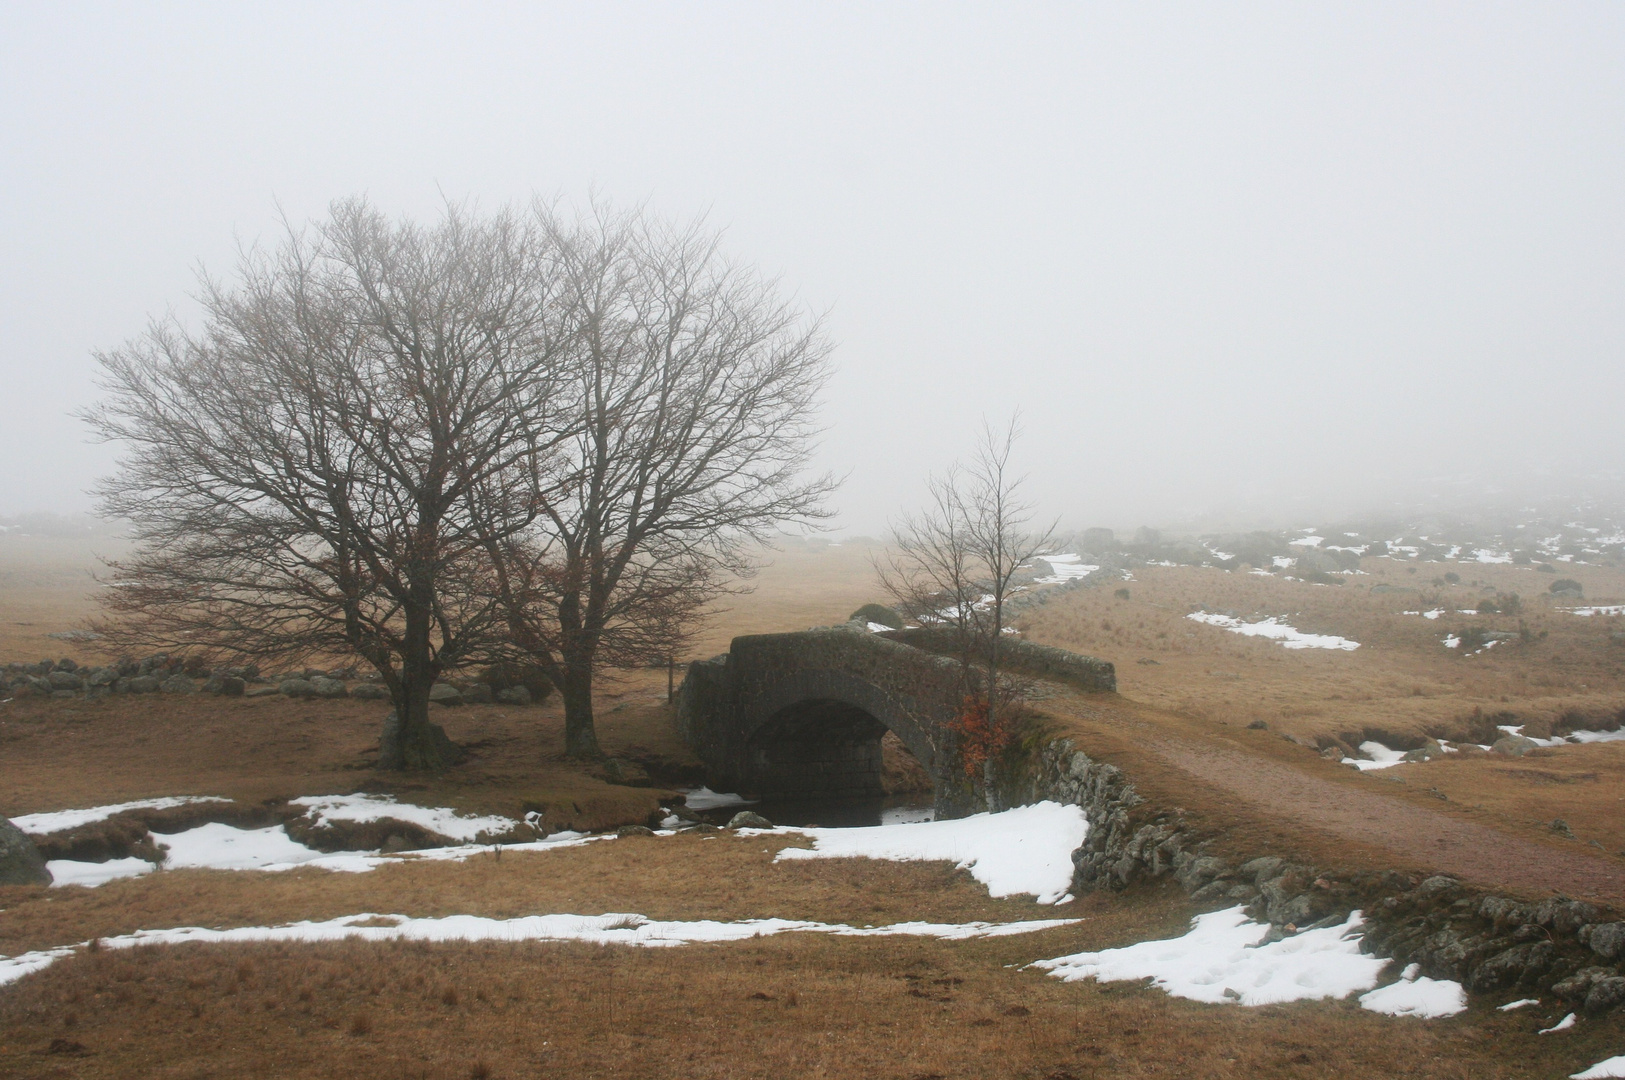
(954, 565)
(929, 570)
(320, 467)
(998, 526)
(693, 386)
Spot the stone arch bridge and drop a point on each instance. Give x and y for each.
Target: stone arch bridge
(802, 714)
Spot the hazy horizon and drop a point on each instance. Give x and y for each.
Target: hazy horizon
(1265, 264)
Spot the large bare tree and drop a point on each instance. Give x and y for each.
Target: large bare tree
(320, 466)
(694, 387)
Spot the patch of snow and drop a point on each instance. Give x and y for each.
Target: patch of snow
(1562, 1025)
(271, 850)
(1283, 563)
(1224, 959)
(1306, 541)
(91, 874)
(13, 968)
(609, 929)
(877, 627)
(1276, 630)
(1068, 567)
(1597, 736)
(1451, 641)
(907, 815)
(703, 798)
(1434, 614)
(1484, 555)
(221, 847)
(1520, 1003)
(1602, 1070)
(59, 820)
(1024, 850)
(438, 819)
(1596, 609)
(1381, 756)
(1420, 997)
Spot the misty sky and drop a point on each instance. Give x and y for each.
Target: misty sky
(1260, 256)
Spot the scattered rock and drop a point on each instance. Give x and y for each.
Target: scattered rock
(445, 694)
(626, 773)
(262, 691)
(1426, 752)
(20, 861)
(634, 830)
(1514, 746)
(297, 688)
(144, 684)
(477, 694)
(749, 819)
(325, 687)
(64, 680)
(514, 695)
(369, 691)
(1607, 940)
(1258, 725)
(178, 684)
(1606, 993)
(878, 613)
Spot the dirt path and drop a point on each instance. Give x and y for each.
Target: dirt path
(1449, 843)
(1466, 849)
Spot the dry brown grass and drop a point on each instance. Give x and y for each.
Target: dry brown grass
(1401, 679)
(89, 753)
(1207, 685)
(789, 1006)
(46, 587)
(690, 876)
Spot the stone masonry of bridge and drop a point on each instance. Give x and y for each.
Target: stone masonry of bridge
(801, 715)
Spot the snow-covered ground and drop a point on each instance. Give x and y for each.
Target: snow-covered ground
(437, 819)
(1417, 996)
(1434, 614)
(611, 929)
(1063, 568)
(91, 874)
(272, 850)
(1274, 629)
(703, 798)
(1024, 850)
(1597, 609)
(58, 820)
(1603, 1070)
(1224, 959)
(1381, 756)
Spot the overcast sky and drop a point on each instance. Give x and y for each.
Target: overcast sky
(1220, 255)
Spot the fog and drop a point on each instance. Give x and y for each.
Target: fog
(1246, 261)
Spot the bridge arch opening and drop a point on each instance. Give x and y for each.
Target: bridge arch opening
(828, 761)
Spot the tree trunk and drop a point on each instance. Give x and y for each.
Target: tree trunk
(580, 737)
(410, 740)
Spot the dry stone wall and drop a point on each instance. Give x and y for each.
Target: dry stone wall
(163, 674)
(1569, 948)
